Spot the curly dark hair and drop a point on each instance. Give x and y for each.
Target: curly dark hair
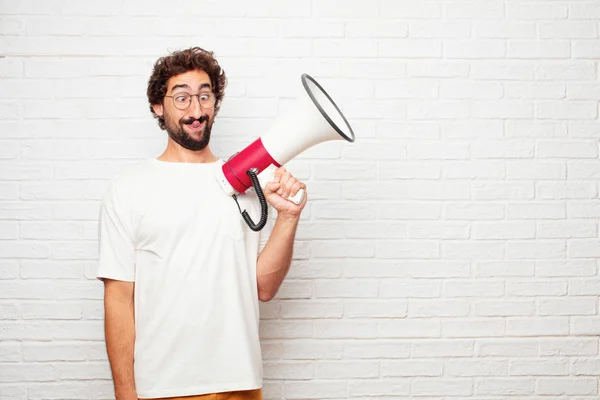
(178, 62)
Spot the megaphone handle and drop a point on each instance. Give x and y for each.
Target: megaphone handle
(268, 174)
(298, 197)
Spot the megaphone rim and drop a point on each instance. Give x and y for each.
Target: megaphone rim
(306, 77)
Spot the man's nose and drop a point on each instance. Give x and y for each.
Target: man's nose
(195, 110)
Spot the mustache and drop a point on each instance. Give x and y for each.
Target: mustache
(189, 121)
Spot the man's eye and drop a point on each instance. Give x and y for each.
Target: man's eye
(181, 98)
(204, 96)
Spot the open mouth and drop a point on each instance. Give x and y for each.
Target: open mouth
(197, 125)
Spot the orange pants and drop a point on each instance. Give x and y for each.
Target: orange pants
(255, 394)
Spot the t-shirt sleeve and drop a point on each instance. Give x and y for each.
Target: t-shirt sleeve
(116, 251)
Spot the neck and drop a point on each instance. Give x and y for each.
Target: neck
(176, 153)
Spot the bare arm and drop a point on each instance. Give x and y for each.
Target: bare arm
(274, 261)
(119, 330)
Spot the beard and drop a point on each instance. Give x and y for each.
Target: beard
(177, 132)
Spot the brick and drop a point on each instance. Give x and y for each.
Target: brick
(409, 288)
(345, 329)
(585, 326)
(436, 308)
(312, 309)
(514, 109)
(503, 308)
(567, 347)
(521, 347)
(477, 289)
(527, 326)
(407, 249)
(374, 309)
(438, 269)
(546, 90)
(409, 9)
(584, 287)
(539, 249)
(561, 71)
(373, 269)
(524, 49)
(536, 288)
(346, 288)
(534, 210)
(539, 10)
(379, 387)
(504, 30)
(504, 386)
(474, 211)
(339, 248)
(502, 191)
(380, 29)
(411, 368)
(496, 70)
(289, 370)
(471, 368)
(568, 268)
(586, 367)
(492, 269)
(567, 110)
(405, 210)
(409, 328)
(438, 29)
(537, 128)
(570, 229)
(11, 352)
(347, 369)
(441, 387)
(535, 170)
(572, 306)
(567, 386)
(470, 249)
(474, 49)
(410, 48)
(568, 30)
(302, 28)
(470, 90)
(302, 349)
(503, 230)
(443, 348)
(472, 328)
(295, 289)
(376, 349)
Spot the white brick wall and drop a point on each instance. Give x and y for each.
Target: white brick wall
(449, 253)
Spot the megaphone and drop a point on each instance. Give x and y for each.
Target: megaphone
(314, 119)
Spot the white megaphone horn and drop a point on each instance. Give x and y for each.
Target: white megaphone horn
(314, 119)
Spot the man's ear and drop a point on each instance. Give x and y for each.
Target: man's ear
(158, 109)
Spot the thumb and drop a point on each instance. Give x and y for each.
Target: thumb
(271, 187)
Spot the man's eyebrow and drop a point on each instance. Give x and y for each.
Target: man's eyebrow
(181, 85)
(185, 86)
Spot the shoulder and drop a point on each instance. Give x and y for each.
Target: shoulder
(127, 183)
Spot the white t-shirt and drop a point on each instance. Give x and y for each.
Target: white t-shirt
(171, 229)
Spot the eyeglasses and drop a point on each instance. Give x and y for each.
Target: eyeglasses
(183, 100)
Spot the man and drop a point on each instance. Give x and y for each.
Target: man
(183, 274)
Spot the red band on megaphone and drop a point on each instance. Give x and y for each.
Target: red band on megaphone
(253, 156)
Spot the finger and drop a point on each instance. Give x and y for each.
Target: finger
(288, 186)
(272, 187)
(277, 174)
(296, 187)
(285, 176)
